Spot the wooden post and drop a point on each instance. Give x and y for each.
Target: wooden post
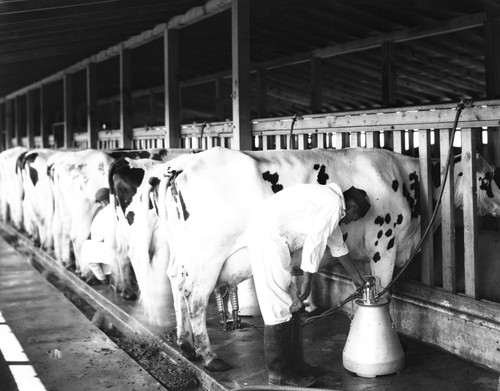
(372, 139)
(242, 131)
(447, 215)
(316, 85)
(172, 89)
(398, 141)
(8, 123)
(30, 118)
(492, 56)
(426, 193)
(470, 211)
(44, 117)
(219, 100)
(389, 75)
(68, 110)
(262, 83)
(92, 105)
(17, 121)
(3, 124)
(125, 98)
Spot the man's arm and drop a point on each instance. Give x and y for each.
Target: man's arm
(351, 269)
(305, 287)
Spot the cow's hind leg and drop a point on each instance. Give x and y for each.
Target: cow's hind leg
(197, 300)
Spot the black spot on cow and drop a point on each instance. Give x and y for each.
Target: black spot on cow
(322, 175)
(376, 257)
(33, 175)
(486, 184)
(345, 236)
(376, 243)
(388, 232)
(130, 218)
(395, 185)
(379, 220)
(399, 220)
(387, 218)
(413, 200)
(379, 234)
(273, 179)
(390, 244)
(184, 208)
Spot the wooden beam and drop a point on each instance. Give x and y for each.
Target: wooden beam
(68, 110)
(172, 90)
(470, 210)
(316, 85)
(262, 87)
(91, 84)
(125, 98)
(240, 24)
(389, 75)
(17, 121)
(426, 193)
(492, 57)
(30, 118)
(448, 216)
(8, 122)
(44, 116)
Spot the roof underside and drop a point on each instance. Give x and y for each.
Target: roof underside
(40, 38)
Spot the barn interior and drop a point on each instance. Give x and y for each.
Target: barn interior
(242, 73)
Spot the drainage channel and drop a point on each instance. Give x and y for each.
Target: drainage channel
(153, 352)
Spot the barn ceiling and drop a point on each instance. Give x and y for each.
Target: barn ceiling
(41, 37)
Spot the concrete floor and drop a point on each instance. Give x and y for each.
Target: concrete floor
(65, 349)
(43, 319)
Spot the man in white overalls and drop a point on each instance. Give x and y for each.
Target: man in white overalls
(304, 216)
(98, 255)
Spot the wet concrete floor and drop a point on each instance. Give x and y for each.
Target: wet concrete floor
(89, 355)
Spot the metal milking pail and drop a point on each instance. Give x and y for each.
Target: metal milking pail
(372, 347)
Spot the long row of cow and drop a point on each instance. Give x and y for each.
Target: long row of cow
(187, 213)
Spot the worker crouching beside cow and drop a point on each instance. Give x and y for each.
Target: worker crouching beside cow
(306, 216)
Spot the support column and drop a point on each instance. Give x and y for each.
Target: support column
(242, 130)
(92, 105)
(492, 56)
(426, 205)
(262, 83)
(17, 121)
(3, 124)
(172, 89)
(68, 110)
(219, 100)
(125, 99)
(44, 117)
(316, 83)
(30, 118)
(8, 123)
(389, 75)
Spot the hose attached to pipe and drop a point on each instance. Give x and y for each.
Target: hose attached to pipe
(461, 105)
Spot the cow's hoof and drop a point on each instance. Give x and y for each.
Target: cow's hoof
(127, 294)
(188, 351)
(218, 365)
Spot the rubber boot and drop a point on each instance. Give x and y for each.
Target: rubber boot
(300, 366)
(277, 351)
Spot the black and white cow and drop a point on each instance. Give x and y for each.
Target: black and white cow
(205, 201)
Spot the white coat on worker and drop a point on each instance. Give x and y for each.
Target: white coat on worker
(304, 216)
(98, 254)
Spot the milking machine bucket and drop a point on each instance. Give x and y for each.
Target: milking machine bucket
(372, 348)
